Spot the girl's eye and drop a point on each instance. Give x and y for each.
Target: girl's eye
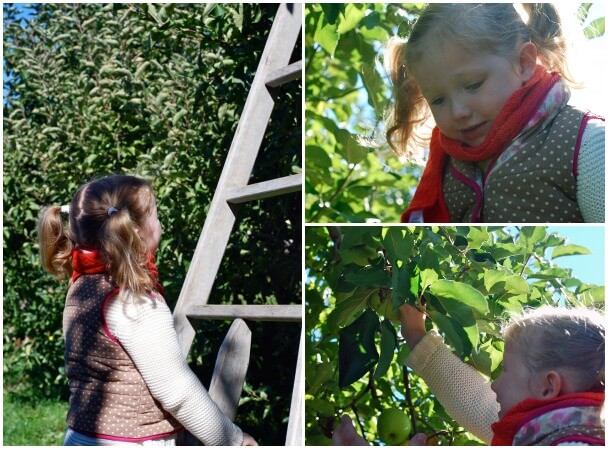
(437, 101)
(474, 86)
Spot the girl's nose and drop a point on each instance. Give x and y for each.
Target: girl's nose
(460, 110)
(494, 384)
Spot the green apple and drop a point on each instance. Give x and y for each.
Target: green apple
(394, 426)
(374, 301)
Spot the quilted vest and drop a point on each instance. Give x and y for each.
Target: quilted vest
(537, 184)
(108, 397)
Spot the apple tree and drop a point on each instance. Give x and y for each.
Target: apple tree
(470, 279)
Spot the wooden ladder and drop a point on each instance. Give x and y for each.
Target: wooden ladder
(232, 189)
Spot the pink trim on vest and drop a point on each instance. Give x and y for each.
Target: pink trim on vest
(104, 305)
(588, 116)
(579, 438)
(127, 439)
(478, 193)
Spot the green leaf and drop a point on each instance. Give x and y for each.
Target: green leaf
(487, 359)
(398, 245)
(596, 28)
(344, 312)
(372, 277)
(327, 35)
(531, 235)
(453, 331)
(493, 278)
(427, 277)
(461, 292)
(388, 344)
(357, 351)
(568, 250)
(517, 284)
(353, 13)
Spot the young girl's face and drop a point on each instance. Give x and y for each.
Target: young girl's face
(466, 91)
(515, 383)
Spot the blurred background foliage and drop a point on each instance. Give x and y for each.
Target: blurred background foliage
(153, 90)
(351, 174)
(471, 279)
(345, 97)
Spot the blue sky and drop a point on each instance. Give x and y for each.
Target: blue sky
(589, 268)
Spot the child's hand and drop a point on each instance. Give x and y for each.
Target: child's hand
(346, 435)
(418, 440)
(248, 440)
(412, 325)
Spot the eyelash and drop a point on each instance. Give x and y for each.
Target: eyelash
(471, 87)
(474, 86)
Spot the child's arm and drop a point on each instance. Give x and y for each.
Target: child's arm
(462, 391)
(590, 181)
(145, 329)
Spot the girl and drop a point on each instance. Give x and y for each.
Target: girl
(507, 147)
(129, 383)
(550, 392)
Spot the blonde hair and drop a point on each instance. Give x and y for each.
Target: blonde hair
(114, 235)
(490, 27)
(550, 338)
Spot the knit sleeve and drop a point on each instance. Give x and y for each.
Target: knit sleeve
(144, 327)
(590, 182)
(464, 393)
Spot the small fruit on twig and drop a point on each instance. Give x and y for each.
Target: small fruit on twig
(394, 426)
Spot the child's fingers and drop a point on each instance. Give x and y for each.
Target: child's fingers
(346, 434)
(418, 440)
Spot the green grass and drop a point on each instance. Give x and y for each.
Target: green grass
(27, 424)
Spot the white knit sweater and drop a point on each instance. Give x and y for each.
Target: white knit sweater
(144, 327)
(464, 393)
(590, 183)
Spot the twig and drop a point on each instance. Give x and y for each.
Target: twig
(408, 397)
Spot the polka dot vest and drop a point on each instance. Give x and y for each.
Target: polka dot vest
(108, 396)
(536, 184)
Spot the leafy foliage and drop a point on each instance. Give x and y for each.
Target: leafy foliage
(470, 279)
(155, 91)
(346, 94)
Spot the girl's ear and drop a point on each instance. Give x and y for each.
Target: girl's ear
(551, 385)
(527, 61)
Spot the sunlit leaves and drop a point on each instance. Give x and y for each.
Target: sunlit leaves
(569, 250)
(460, 292)
(346, 178)
(468, 279)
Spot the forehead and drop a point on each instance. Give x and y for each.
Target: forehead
(443, 63)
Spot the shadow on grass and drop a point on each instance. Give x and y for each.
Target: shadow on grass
(33, 424)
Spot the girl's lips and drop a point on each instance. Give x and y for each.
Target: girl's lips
(474, 132)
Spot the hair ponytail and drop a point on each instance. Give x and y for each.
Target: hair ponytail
(124, 251)
(546, 32)
(55, 244)
(409, 107)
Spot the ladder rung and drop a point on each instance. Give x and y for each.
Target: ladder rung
(248, 312)
(265, 189)
(284, 74)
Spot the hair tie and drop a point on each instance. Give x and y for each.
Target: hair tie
(65, 209)
(111, 210)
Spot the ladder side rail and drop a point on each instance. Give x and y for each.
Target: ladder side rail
(236, 172)
(295, 427)
(230, 368)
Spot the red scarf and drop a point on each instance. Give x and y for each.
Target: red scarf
(505, 429)
(515, 114)
(88, 261)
